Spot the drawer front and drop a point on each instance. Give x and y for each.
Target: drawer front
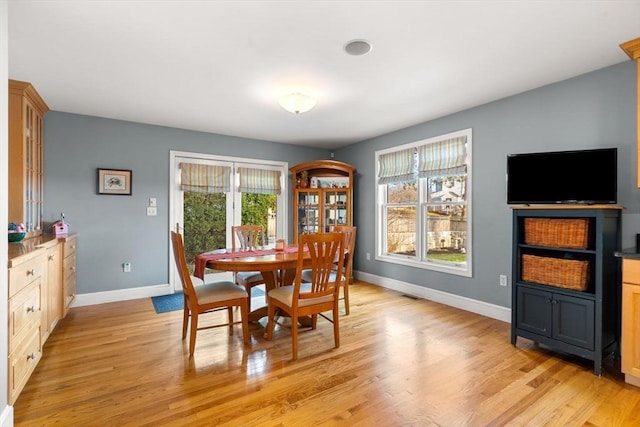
(69, 281)
(69, 247)
(22, 362)
(22, 275)
(24, 313)
(631, 271)
(69, 266)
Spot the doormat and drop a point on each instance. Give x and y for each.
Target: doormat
(173, 302)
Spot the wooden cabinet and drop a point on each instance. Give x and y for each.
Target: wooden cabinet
(578, 320)
(322, 196)
(26, 277)
(42, 286)
(632, 48)
(52, 292)
(631, 321)
(69, 272)
(26, 126)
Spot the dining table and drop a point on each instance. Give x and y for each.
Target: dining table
(278, 266)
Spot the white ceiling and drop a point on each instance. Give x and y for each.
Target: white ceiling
(220, 66)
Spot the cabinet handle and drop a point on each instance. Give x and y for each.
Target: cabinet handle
(31, 309)
(52, 257)
(31, 272)
(554, 302)
(73, 269)
(32, 355)
(73, 246)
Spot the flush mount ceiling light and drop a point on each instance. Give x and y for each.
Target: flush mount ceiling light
(297, 102)
(357, 47)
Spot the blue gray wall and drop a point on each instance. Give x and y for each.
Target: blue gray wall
(113, 229)
(591, 111)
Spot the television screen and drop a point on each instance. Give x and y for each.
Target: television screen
(582, 176)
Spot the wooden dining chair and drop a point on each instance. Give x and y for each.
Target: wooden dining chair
(208, 298)
(320, 295)
(350, 244)
(247, 237)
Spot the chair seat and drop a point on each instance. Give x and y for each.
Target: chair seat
(249, 276)
(284, 294)
(219, 291)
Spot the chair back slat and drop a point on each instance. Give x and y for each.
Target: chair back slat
(183, 270)
(350, 245)
(324, 249)
(245, 237)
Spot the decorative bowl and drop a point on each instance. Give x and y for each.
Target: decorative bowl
(16, 237)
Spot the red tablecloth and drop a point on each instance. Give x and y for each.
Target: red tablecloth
(201, 259)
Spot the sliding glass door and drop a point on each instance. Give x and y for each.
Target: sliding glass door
(209, 194)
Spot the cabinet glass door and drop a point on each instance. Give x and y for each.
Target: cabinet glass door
(33, 169)
(335, 209)
(308, 212)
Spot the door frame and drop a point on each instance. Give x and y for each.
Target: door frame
(175, 217)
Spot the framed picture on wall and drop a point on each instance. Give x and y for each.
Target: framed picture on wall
(114, 181)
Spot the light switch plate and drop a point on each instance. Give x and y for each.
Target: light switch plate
(152, 202)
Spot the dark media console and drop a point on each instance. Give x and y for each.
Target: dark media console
(584, 321)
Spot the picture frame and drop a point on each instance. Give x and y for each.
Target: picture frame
(114, 181)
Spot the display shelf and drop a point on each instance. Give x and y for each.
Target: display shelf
(323, 196)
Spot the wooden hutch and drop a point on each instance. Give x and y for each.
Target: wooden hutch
(322, 196)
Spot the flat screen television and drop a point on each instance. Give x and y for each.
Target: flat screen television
(581, 176)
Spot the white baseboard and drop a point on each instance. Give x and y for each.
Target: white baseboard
(6, 417)
(121, 295)
(479, 307)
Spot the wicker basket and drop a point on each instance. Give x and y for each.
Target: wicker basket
(562, 233)
(563, 273)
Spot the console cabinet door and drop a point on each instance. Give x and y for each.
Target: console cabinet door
(534, 311)
(573, 321)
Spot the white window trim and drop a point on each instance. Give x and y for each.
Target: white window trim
(411, 261)
(283, 220)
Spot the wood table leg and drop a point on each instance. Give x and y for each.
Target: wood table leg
(271, 280)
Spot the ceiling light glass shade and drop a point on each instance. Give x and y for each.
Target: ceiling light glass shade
(297, 102)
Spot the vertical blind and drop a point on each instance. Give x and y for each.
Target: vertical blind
(205, 178)
(263, 181)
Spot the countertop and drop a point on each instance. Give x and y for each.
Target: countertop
(630, 253)
(30, 246)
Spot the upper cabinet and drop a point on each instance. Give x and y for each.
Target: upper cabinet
(26, 128)
(632, 48)
(322, 196)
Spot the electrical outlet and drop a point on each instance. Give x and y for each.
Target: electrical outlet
(368, 256)
(503, 280)
(126, 267)
(152, 211)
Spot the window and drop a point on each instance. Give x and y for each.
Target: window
(424, 202)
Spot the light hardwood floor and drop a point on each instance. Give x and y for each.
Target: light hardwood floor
(401, 362)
